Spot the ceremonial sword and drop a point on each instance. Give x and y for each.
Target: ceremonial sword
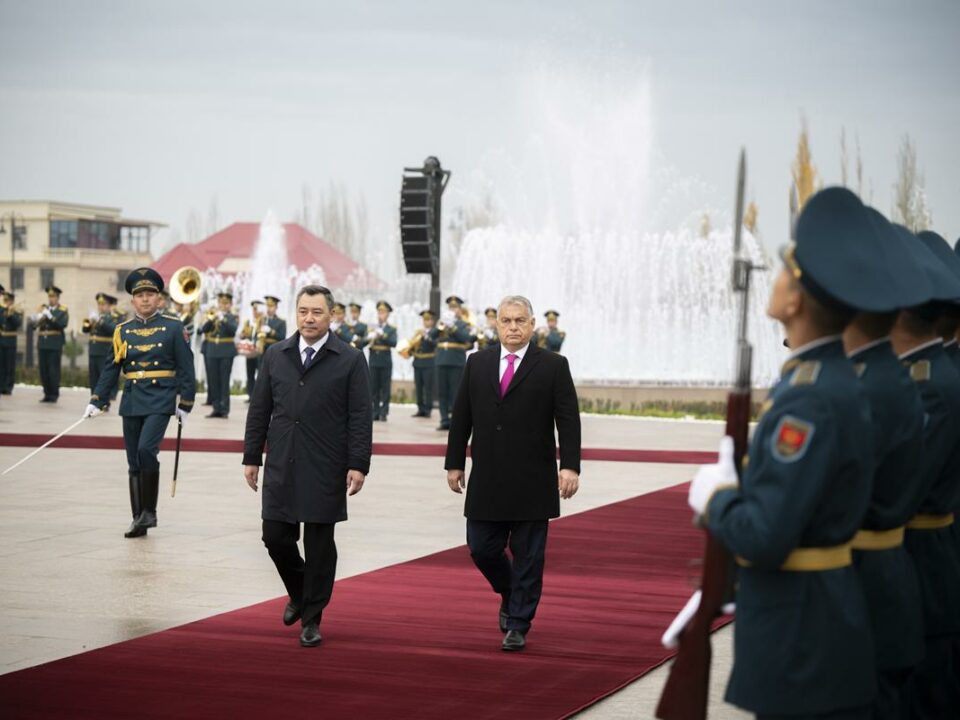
(48, 442)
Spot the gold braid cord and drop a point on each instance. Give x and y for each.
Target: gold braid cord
(119, 347)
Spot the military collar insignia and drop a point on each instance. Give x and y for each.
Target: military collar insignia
(791, 438)
(920, 371)
(806, 373)
(860, 368)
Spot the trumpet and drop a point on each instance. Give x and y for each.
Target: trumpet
(260, 335)
(542, 333)
(408, 347)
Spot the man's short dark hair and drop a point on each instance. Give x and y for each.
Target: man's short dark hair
(316, 290)
(875, 325)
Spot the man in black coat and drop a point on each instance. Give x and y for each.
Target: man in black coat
(311, 406)
(511, 396)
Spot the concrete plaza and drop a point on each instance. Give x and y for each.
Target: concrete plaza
(71, 582)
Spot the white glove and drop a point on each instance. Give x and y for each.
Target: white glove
(220, 315)
(182, 416)
(672, 634)
(47, 313)
(448, 317)
(94, 315)
(91, 411)
(335, 325)
(710, 477)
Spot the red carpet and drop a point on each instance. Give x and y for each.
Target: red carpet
(104, 442)
(415, 640)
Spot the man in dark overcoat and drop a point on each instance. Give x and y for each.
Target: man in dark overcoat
(511, 396)
(311, 407)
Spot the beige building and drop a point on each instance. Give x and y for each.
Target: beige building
(82, 249)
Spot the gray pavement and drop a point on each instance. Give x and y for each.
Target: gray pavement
(71, 582)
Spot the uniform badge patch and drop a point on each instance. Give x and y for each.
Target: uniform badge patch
(791, 438)
(806, 373)
(920, 371)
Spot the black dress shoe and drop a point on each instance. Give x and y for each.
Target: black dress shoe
(513, 641)
(444, 427)
(310, 635)
(215, 414)
(291, 613)
(504, 616)
(135, 530)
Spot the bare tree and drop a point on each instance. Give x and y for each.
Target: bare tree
(843, 157)
(213, 215)
(194, 226)
(859, 169)
(909, 198)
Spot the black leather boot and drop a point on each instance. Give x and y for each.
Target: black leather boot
(135, 507)
(149, 489)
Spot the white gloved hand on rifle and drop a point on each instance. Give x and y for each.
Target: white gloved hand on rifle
(92, 411)
(711, 477)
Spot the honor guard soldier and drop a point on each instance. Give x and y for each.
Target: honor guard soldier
(551, 337)
(99, 326)
(803, 645)
(219, 329)
(358, 330)
(453, 337)
(338, 323)
(273, 329)
(250, 330)
(424, 352)
(152, 352)
(382, 338)
(887, 572)
(11, 320)
(489, 335)
(51, 323)
(932, 691)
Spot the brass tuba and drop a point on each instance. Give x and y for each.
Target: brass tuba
(408, 347)
(185, 285)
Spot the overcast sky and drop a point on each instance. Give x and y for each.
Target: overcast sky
(157, 107)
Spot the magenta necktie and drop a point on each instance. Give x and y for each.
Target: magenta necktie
(507, 375)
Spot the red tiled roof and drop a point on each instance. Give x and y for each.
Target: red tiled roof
(238, 240)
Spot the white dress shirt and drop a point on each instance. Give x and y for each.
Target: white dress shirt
(316, 346)
(516, 363)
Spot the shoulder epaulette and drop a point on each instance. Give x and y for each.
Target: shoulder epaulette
(920, 371)
(806, 373)
(62, 307)
(860, 369)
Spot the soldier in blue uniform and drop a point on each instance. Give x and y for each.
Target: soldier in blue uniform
(551, 337)
(219, 329)
(11, 320)
(152, 352)
(383, 338)
(358, 330)
(932, 690)
(273, 329)
(51, 323)
(100, 329)
(886, 569)
(802, 643)
(489, 335)
(424, 366)
(453, 337)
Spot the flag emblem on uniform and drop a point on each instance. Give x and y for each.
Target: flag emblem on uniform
(791, 438)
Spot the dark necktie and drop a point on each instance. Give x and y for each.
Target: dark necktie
(308, 351)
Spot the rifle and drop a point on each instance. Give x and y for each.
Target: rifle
(684, 695)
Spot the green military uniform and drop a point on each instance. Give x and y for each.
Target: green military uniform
(453, 341)
(218, 334)
(424, 370)
(250, 331)
(157, 365)
(100, 347)
(933, 690)
(356, 333)
(274, 329)
(51, 328)
(383, 340)
(11, 320)
(803, 642)
(551, 338)
(489, 336)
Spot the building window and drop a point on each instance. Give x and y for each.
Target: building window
(46, 277)
(16, 278)
(135, 238)
(63, 233)
(19, 237)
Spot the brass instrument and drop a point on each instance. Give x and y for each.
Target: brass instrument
(185, 286)
(408, 347)
(260, 335)
(541, 335)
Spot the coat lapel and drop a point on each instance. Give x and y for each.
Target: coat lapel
(530, 359)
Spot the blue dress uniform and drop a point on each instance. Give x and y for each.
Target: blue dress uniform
(218, 333)
(383, 340)
(51, 327)
(803, 644)
(157, 364)
(551, 338)
(11, 320)
(453, 342)
(424, 370)
(931, 539)
(100, 347)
